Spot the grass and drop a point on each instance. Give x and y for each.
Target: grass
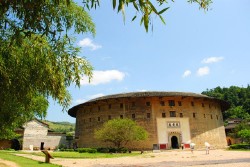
(21, 161)
(83, 155)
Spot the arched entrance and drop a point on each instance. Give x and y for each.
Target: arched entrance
(174, 142)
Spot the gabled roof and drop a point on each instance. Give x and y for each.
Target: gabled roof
(37, 120)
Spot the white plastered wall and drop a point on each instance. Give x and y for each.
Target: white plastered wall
(163, 130)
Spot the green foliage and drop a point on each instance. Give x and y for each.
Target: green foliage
(244, 134)
(145, 8)
(63, 127)
(120, 132)
(37, 60)
(238, 97)
(112, 150)
(240, 147)
(87, 150)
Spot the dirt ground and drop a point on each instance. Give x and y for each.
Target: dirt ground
(172, 158)
(4, 163)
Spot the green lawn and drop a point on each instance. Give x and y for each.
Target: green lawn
(21, 161)
(84, 155)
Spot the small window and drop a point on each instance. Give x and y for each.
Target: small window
(203, 105)
(163, 115)
(209, 106)
(89, 119)
(148, 103)
(211, 116)
(217, 117)
(162, 103)
(109, 117)
(121, 105)
(172, 113)
(148, 115)
(133, 116)
(99, 119)
(109, 106)
(121, 116)
(181, 115)
(179, 103)
(192, 103)
(194, 115)
(171, 103)
(204, 115)
(99, 108)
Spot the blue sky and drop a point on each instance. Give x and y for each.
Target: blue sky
(194, 51)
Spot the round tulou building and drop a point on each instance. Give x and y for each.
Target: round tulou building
(171, 119)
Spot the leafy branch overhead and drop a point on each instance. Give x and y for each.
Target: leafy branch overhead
(146, 8)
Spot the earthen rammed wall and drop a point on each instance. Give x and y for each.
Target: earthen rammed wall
(169, 120)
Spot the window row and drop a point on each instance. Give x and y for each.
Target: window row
(133, 116)
(173, 114)
(162, 103)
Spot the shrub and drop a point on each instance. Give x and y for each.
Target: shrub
(103, 150)
(239, 146)
(92, 150)
(88, 150)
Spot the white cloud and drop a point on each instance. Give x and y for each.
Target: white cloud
(103, 77)
(186, 73)
(203, 71)
(212, 60)
(86, 42)
(96, 95)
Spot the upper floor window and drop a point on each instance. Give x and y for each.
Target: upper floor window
(163, 115)
(121, 105)
(194, 115)
(148, 115)
(109, 106)
(203, 105)
(171, 103)
(172, 113)
(99, 108)
(99, 119)
(148, 103)
(192, 103)
(179, 103)
(181, 115)
(162, 103)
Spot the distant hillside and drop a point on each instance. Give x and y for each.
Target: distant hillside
(60, 126)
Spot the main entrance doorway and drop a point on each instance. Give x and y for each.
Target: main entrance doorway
(174, 142)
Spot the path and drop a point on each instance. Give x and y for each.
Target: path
(173, 158)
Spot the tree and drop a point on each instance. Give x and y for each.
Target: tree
(244, 134)
(14, 114)
(37, 57)
(237, 97)
(34, 61)
(145, 8)
(120, 132)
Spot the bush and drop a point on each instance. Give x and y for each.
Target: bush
(239, 146)
(103, 150)
(88, 150)
(68, 149)
(118, 150)
(9, 149)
